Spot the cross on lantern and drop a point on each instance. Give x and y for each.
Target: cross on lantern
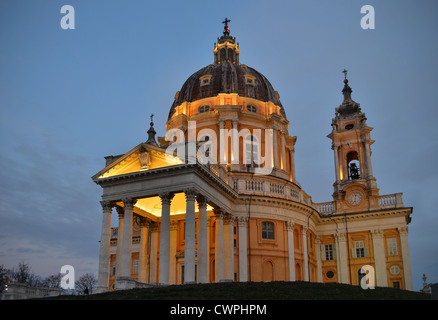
(225, 22)
(345, 73)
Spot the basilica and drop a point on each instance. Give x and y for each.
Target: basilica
(217, 198)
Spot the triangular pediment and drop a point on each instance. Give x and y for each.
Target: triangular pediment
(142, 157)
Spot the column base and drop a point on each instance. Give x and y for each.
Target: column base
(125, 283)
(101, 290)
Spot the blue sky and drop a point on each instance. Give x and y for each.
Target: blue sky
(68, 98)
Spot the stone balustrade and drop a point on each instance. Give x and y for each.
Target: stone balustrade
(388, 201)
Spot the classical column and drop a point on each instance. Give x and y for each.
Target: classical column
(379, 258)
(143, 253)
(283, 149)
(366, 143)
(235, 143)
(406, 258)
(242, 223)
(219, 249)
(105, 238)
(305, 254)
(292, 162)
(153, 253)
(228, 247)
(121, 213)
(190, 237)
(222, 143)
(125, 265)
(318, 259)
(342, 261)
(163, 268)
(291, 249)
(275, 146)
(202, 241)
(172, 249)
(335, 148)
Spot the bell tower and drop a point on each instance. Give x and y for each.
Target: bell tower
(355, 188)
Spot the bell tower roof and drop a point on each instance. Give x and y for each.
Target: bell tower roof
(348, 107)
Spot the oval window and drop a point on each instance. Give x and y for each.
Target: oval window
(251, 108)
(203, 109)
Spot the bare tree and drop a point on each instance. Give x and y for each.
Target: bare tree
(53, 281)
(86, 284)
(22, 273)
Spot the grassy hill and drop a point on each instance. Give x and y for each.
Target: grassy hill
(257, 291)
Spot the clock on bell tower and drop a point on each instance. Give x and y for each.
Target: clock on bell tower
(355, 188)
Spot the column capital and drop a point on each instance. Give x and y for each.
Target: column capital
(340, 236)
(290, 225)
(153, 226)
(403, 231)
(173, 225)
(120, 211)
(190, 194)
(304, 230)
(106, 205)
(142, 222)
(166, 197)
(242, 221)
(129, 203)
(219, 213)
(228, 219)
(202, 200)
(377, 234)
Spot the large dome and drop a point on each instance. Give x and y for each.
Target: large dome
(227, 77)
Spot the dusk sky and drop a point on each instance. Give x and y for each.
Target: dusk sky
(68, 98)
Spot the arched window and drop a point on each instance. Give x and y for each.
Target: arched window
(251, 151)
(268, 231)
(353, 165)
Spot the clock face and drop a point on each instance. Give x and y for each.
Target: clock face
(355, 198)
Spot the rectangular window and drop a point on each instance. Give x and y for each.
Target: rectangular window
(392, 247)
(135, 266)
(268, 230)
(329, 252)
(359, 250)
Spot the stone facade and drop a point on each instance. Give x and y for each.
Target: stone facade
(244, 216)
